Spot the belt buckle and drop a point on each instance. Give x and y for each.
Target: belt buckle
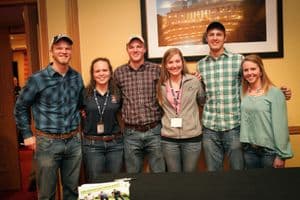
(107, 138)
(63, 136)
(143, 128)
(148, 126)
(68, 135)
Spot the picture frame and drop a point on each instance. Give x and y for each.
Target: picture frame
(249, 29)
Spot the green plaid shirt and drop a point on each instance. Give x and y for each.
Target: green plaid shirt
(221, 77)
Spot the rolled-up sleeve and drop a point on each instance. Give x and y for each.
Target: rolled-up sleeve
(201, 97)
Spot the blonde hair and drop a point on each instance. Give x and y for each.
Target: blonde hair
(265, 81)
(164, 74)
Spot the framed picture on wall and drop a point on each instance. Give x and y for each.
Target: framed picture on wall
(251, 26)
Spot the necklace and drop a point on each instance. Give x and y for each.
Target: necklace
(256, 91)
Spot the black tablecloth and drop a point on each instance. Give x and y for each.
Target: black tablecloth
(260, 184)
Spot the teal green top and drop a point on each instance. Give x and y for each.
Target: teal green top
(264, 122)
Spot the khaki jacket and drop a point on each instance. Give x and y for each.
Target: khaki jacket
(192, 96)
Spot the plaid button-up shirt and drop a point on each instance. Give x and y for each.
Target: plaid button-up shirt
(54, 100)
(138, 89)
(222, 81)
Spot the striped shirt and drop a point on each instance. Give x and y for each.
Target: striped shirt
(138, 88)
(54, 100)
(222, 81)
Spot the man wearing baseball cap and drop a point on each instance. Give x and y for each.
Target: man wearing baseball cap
(135, 37)
(140, 110)
(54, 97)
(60, 37)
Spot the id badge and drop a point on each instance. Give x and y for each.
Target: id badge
(100, 128)
(176, 122)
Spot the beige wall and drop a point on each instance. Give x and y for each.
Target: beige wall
(104, 29)
(295, 162)
(105, 25)
(56, 15)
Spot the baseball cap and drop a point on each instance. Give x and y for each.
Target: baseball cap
(215, 25)
(60, 37)
(136, 37)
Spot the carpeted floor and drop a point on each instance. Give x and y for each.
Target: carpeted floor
(26, 163)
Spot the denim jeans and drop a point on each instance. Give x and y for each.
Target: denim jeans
(218, 143)
(100, 157)
(53, 155)
(181, 156)
(139, 144)
(258, 157)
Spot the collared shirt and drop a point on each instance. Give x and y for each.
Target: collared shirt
(221, 77)
(54, 100)
(109, 117)
(138, 88)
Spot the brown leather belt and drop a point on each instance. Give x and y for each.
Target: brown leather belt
(105, 138)
(142, 128)
(58, 135)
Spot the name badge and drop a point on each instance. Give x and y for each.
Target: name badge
(100, 128)
(176, 122)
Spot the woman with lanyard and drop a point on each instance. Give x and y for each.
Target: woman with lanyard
(102, 138)
(179, 95)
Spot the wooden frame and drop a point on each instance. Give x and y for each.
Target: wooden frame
(257, 29)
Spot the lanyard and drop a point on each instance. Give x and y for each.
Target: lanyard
(176, 98)
(98, 105)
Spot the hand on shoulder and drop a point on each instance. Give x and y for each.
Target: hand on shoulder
(197, 75)
(286, 92)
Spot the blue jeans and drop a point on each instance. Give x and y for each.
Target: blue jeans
(100, 157)
(181, 156)
(53, 155)
(258, 157)
(218, 143)
(138, 144)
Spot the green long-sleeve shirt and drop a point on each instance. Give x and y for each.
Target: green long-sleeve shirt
(264, 122)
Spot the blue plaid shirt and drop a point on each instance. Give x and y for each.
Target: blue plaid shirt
(54, 101)
(222, 81)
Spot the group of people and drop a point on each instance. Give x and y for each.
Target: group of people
(145, 109)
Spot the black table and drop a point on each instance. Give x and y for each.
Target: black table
(260, 184)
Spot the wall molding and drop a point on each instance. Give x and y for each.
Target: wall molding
(43, 34)
(73, 31)
(294, 130)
